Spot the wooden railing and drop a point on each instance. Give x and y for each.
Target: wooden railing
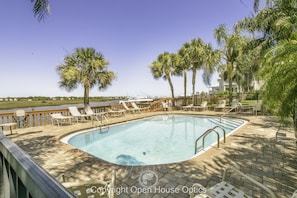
(22, 177)
(157, 104)
(40, 118)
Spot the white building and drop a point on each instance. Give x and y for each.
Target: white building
(224, 86)
(257, 85)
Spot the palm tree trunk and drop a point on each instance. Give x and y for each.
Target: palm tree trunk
(238, 86)
(230, 91)
(193, 85)
(230, 70)
(172, 90)
(86, 95)
(185, 87)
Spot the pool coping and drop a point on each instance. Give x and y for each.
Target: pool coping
(65, 139)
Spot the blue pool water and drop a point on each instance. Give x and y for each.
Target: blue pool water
(155, 140)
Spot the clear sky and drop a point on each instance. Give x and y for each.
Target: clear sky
(129, 33)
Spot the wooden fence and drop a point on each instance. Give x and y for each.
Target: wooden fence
(39, 118)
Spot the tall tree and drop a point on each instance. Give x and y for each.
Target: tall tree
(185, 64)
(279, 71)
(275, 22)
(87, 67)
(197, 60)
(276, 29)
(164, 67)
(196, 55)
(231, 48)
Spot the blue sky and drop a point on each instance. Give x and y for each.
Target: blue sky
(129, 33)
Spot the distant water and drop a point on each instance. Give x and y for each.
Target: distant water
(92, 104)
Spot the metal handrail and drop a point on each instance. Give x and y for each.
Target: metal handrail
(103, 125)
(227, 112)
(208, 132)
(272, 195)
(224, 132)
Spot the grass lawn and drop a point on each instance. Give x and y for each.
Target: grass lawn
(4, 105)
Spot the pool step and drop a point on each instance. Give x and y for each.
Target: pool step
(226, 123)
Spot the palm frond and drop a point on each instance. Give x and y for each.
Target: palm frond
(41, 8)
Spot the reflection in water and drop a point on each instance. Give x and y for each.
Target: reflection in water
(128, 160)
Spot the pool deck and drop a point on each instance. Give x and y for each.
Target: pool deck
(255, 148)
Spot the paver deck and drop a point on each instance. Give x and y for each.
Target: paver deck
(254, 148)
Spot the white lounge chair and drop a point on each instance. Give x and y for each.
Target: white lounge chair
(92, 114)
(188, 107)
(203, 106)
(165, 106)
(132, 110)
(116, 113)
(225, 189)
(76, 114)
(134, 105)
(221, 106)
(60, 119)
(235, 104)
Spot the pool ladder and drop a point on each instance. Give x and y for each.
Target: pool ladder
(103, 126)
(207, 132)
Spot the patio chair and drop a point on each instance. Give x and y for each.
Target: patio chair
(91, 113)
(134, 105)
(132, 110)
(116, 113)
(221, 106)
(235, 104)
(203, 106)
(165, 106)
(225, 189)
(60, 119)
(188, 107)
(20, 117)
(76, 114)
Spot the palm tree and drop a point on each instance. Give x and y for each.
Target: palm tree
(231, 49)
(277, 37)
(197, 59)
(276, 22)
(164, 67)
(278, 68)
(40, 8)
(247, 66)
(212, 59)
(203, 58)
(87, 67)
(185, 64)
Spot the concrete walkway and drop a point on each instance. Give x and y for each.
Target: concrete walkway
(254, 148)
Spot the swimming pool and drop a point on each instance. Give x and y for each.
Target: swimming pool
(155, 140)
